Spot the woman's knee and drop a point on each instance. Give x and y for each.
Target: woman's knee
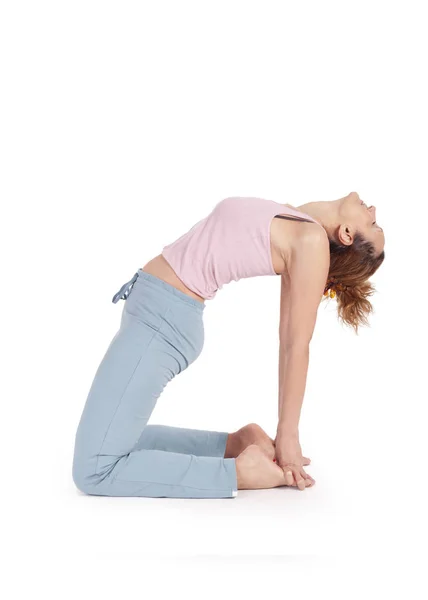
(81, 476)
(84, 473)
(90, 474)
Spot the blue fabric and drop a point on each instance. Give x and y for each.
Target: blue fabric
(117, 453)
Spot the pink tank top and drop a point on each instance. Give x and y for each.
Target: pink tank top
(231, 243)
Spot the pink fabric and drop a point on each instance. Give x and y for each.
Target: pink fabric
(231, 243)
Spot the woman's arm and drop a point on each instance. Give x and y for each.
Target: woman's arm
(301, 291)
(291, 389)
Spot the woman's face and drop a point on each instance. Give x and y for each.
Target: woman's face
(355, 215)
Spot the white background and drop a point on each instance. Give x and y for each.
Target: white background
(122, 124)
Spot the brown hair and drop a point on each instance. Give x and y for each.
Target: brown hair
(350, 268)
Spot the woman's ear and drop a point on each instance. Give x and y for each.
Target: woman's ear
(345, 236)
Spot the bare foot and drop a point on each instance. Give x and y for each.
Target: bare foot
(247, 435)
(255, 470)
(252, 434)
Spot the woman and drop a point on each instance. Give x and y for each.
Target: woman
(320, 248)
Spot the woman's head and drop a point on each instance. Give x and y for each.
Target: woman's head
(356, 252)
(355, 216)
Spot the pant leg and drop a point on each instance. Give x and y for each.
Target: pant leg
(160, 335)
(184, 440)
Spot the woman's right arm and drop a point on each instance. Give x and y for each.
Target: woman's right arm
(301, 292)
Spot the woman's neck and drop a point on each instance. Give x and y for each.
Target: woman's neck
(325, 212)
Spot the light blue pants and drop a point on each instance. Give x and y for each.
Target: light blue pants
(116, 452)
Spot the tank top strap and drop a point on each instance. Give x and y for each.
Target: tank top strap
(293, 214)
(293, 218)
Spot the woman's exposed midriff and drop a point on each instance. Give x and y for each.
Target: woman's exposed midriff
(159, 267)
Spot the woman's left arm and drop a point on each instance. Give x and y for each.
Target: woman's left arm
(301, 292)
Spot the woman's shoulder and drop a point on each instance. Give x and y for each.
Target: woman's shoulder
(311, 245)
(312, 234)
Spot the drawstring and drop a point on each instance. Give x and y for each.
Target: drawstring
(125, 290)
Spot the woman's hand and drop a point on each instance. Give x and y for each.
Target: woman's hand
(288, 456)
